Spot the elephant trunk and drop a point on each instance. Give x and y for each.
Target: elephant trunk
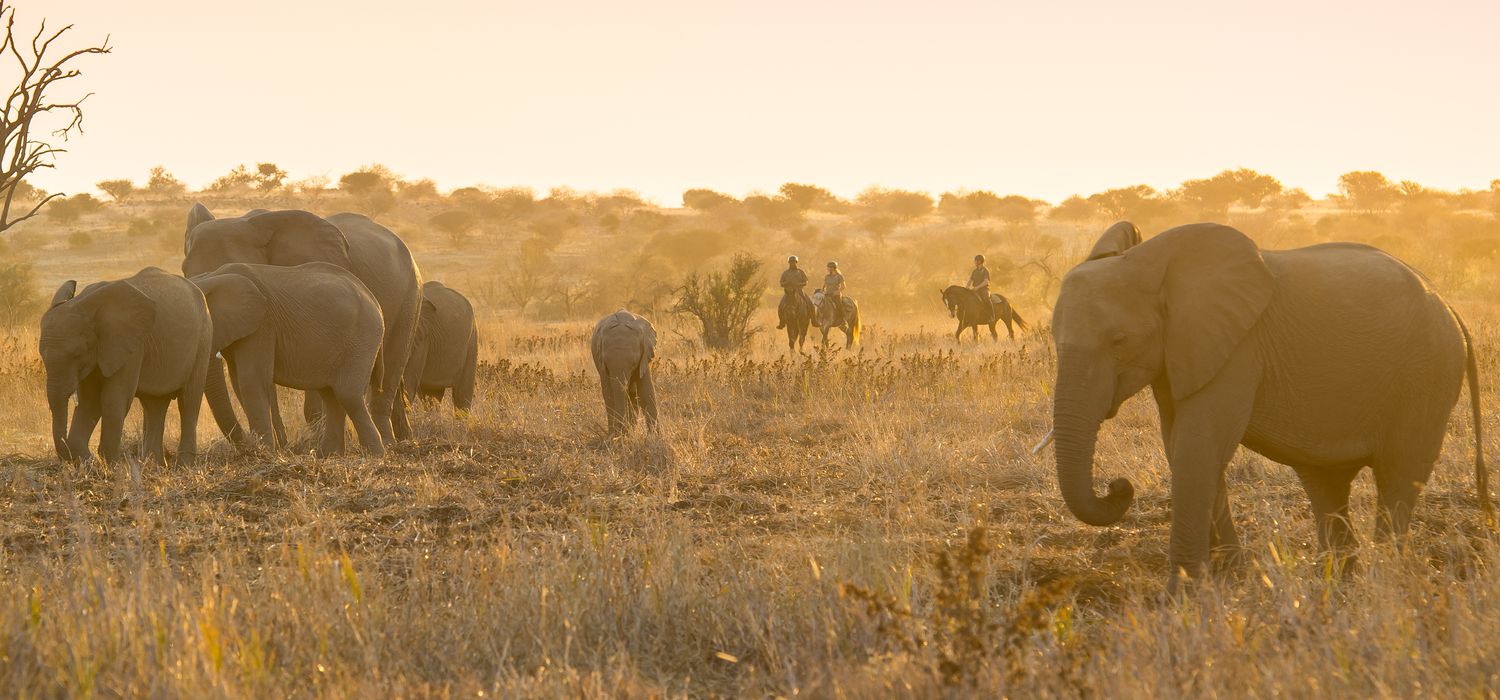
(217, 393)
(1076, 415)
(58, 393)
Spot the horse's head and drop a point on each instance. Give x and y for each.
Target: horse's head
(949, 301)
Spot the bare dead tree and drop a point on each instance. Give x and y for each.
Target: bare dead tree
(23, 150)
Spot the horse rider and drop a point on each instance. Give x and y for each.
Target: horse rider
(793, 279)
(979, 281)
(833, 289)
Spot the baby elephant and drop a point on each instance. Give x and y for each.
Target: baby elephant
(446, 352)
(144, 337)
(623, 346)
(313, 327)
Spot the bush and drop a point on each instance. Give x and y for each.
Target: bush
(723, 302)
(19, 301)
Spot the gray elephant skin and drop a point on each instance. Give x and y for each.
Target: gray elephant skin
(146, 337)
(1285, 352)
(351, 241)
(446, 352)
(313, 327)
(623, 346)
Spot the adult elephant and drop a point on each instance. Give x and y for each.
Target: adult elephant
(622, 347)
(1280, 351)
(144, 337)
(352, 241)
(274, 325)
(446, 353)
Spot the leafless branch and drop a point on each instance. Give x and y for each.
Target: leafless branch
(28, 105)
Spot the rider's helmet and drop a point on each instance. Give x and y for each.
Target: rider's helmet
(979, 259)
(833, 265)
(792, 260)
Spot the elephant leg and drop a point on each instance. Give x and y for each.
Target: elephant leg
(351, 401)
(647, 393)
(1206, 431)
(1398, 484)
(115, 403)
(85, 418)
(189, 406)
(1328, 491)
(278, 427)
(400, 422)
(1223, 541)
(312, 406)
(153, 429)
(632, 400)
(219, 403)
(615, 401)
(257, 395)
(332, 441)
(463, 392)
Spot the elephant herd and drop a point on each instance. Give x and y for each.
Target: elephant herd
(335, 307)
(1329, 359)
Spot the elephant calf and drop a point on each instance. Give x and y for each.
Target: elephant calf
(446, 352)
(623, 346)
(145, 337)
(313, 327)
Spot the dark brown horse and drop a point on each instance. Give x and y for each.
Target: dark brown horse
(795, 314)
(971, 311)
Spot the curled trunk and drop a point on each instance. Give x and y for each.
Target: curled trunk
(1077, 411)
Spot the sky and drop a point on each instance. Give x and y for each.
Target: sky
(1044, 99)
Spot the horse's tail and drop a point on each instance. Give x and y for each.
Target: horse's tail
(854, 326)
(1020, 322)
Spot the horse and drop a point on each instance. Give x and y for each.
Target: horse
(829, 318)
(965, 305)
(795, 314)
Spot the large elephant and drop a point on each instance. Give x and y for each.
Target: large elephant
(446, 353)
(372, 252)
(146, 337)
(622, 347)
(277, 325)
(1328, 359)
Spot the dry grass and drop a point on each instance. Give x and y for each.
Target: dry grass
(781, 537)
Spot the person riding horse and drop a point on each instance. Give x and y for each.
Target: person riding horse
(833, 290)
(793, 280)
(979, 281)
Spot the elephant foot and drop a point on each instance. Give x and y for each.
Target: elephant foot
(1228, 560)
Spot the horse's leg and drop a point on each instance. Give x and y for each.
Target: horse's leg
(1008, 328)
(958, 335)
(994, 334)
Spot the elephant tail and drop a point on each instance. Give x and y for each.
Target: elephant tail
(1481, 474)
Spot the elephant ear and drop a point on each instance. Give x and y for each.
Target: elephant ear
(1116, 240)
(124, 317)
(293, 237)
(1215, 286)
(197, 215)
(65, 292)
(236, 305)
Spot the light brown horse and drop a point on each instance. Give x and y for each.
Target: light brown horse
(845, 319)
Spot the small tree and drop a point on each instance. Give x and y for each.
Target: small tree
(1074, 209)
(724, 301)
(525, 277)
(118, 190)
(811, 197)
(19, 300)
(456, 223)
(162, 185)
(371, 187)
(707, 200)
(269, 177)
(69, 210)
(773, 212)
(1367, 191)
(901, 205)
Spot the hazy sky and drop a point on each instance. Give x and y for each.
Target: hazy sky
(1038, 98)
